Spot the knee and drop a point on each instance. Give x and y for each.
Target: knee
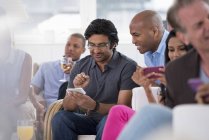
(120, 111)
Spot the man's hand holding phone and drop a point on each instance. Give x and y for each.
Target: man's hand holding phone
(201, 89)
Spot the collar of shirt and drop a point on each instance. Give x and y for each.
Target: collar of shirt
(161, 47)
(112, 63)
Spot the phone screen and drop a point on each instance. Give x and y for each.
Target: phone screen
(152, 69)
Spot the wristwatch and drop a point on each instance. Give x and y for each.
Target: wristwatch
(96, 108)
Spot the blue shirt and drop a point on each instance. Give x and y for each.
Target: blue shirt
(157, 58)
(47, 79)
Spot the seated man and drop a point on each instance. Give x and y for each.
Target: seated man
(105, 75)
(48, 75)
(47, 78)
(15, 76)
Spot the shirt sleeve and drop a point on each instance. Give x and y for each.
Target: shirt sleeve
(126, 82)
(38, 79)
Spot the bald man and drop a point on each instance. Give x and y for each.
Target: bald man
(149, 35)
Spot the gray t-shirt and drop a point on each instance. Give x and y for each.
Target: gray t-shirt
(104, 86)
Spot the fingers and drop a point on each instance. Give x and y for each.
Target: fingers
(80, 78)
(199, 97)
(202, 95)
(162, 70)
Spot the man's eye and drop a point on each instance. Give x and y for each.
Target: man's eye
(92, 45)
(102, 45)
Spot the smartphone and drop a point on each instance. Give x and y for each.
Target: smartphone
(148, 70)
(194, 83)
(80, 90)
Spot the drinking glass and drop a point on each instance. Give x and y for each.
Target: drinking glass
(65, 62)
(25, 129)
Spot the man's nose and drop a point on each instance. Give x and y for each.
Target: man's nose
(133, 40)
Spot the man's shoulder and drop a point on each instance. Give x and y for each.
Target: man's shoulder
(126, 58)
(50, 65)
(86, 59)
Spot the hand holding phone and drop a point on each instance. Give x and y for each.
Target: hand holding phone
(194, 83)
(152, 70)
(80, 90)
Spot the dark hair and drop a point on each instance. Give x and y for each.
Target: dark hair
(167, 59)
(171, 35)
(105, 27)
(172, 16)
(78, 35)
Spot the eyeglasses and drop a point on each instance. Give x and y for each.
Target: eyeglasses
(100, 45)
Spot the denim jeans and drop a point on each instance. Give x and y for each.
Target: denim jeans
(68, 125)
(148, 119)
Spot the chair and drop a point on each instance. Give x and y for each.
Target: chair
(54, 108)
(139, 98)
(191, 120)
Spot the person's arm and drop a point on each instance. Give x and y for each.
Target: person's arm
(124, 98)
(149, 95)
(32, 96)
(139, 78)
(25, 78)
(87, 103)
(69, 103)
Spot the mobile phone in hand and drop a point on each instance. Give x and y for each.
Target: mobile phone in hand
(194, 83)
(152, 69)
(80, 90)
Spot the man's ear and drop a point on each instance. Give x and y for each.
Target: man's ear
(155, 31)
(182, 37)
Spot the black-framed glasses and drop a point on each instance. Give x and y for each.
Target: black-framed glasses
(100, 45)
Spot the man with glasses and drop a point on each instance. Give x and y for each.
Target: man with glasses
(105, 75)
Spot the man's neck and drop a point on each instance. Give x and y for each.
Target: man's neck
(102, 64)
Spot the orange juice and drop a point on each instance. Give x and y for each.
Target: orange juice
(25, 132)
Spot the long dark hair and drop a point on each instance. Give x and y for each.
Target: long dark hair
(167, 59)
(171, 35)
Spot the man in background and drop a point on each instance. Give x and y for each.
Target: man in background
(149, 35)
(47, 78)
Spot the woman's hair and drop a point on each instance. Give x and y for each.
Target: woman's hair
(104, 27)
(171, 35)
(167, 59)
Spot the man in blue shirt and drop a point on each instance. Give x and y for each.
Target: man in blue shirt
(47, 78)
(149, 35)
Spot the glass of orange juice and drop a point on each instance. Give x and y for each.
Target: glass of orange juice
(25, 129)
